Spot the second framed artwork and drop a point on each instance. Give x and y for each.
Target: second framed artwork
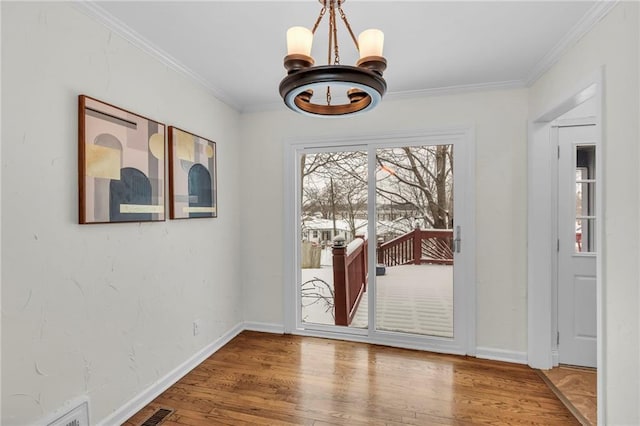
(192, 176)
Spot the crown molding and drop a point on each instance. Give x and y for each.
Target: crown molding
(91, 9)
(584, 25)
(453, 90)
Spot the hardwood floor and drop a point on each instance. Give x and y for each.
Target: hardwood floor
(577, 389)
(261, 378)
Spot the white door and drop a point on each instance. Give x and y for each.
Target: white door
(577, 245)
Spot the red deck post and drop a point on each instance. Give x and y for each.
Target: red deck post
(340, 282)
(417, 246)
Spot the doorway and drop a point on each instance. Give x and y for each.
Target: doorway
(403, 278)
(543, 225)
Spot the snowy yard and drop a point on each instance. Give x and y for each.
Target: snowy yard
(411, 299)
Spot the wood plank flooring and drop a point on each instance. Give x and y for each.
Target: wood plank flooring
(577, 389)
(269, 379)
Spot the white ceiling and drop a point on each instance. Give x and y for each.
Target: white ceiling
(235, 48)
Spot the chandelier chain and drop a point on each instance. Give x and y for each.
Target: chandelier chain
(322, 12)
(333, 43)
(336, 58)
(346, 23)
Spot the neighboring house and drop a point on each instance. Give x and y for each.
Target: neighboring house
(321, 231)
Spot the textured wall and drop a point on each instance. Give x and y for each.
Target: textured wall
(106, 310)
(100, 310)
(499, 119)
(614, 43)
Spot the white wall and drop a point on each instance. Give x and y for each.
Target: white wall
(499, 118)
(100, 310)
(0, 218)
(614, 43)
(638, 188)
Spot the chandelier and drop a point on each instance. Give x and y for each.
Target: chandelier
(362, 84)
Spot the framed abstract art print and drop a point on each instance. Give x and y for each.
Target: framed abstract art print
(192, 176)
(121, 169)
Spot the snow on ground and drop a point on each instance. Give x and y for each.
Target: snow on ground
(326, 257)
(317, 297)
(410, 298)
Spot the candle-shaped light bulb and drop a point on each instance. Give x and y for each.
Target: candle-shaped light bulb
(299, 41)
(370, 43)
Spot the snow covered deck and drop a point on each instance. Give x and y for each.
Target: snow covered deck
(410, 298)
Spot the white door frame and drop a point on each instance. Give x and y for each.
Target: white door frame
(466, 344)
(542, 228)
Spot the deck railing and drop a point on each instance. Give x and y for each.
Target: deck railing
(349, 278)
(417, 247)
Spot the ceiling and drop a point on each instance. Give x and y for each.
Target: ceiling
(235, 48)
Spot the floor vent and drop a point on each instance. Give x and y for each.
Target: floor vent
(77, 416)
(158, 417)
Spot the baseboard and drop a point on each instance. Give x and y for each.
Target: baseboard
(264, 327)
(501, 355)
(145, 397)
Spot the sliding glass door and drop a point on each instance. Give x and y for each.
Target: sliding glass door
(377, 245)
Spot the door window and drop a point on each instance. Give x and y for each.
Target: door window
(585, 198)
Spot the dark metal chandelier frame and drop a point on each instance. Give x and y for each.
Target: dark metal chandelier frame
(363, 83)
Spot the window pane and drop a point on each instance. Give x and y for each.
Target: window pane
(585, 199)
(334, 204)
(415, 232)
(586, 161)
(585, 235)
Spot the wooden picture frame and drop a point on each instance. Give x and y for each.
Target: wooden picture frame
(193, 179)
(121, 166)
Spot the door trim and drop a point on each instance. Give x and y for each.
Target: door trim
(463, 135)
(542, 228)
